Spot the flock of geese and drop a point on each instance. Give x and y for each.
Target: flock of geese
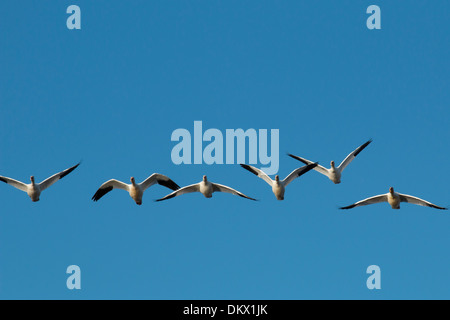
(207, 188)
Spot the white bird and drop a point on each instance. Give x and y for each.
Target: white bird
(34, 189)
(279, 186)
(334, 173)
(136, 190)
(394, 199)
(207, 188)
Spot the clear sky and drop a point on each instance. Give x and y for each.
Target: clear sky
(112, 93)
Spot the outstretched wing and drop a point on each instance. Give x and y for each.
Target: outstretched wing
(16, 184)
(179, 192)
(258, 172)
(353, 155)
(222, 188)
(298, 172)
(107, 187)
(371, 200)
(318, 168)
(160, 179)
(49, 181)
(420, 202)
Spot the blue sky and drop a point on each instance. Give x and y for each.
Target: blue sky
(112, 93)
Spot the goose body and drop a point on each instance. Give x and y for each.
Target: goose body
(334, 173)
(394, 199)
(135, 190)
(206, 188)
(34, 189)
(279, 186)
(278, 190)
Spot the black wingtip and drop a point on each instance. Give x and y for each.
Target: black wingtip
(249, 168)
(100, 193)
(247, 197)
(311, 166)
(168, 184)
(4, 180)
(307, 168)
(297, 158)
(347, 207)
(361, 148)
(169, 196)
(437, 207)
(69, 170)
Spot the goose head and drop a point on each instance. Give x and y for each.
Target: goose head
(32, 179)
(132, 180)
(205, 179)
(332, 164)
(277, 178)
(391, 190)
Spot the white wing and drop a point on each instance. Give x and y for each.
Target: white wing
(353, 155)
(258, 172)
(16, 184)
(420, 202)
(371, 200)
(319, 168)
(108, 186)
(160, 179)
(298, 172)
(49, 181)
(222, 188)
(179, 192)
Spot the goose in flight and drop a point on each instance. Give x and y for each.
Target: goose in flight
(34, 189)
(334, 174)
(394, 199)
(279, 186)
(136, 190)
(207, 188)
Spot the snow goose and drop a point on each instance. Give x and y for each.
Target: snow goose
(394, 199)
(207, 188)
(34, 189)
(136, 190)
(279, 186)
(334, 173)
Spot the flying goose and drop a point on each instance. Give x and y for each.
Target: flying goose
(34, 189)
(394, 199)
(279, 186)
(334, 174)
(136, 190)
(207, 188)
